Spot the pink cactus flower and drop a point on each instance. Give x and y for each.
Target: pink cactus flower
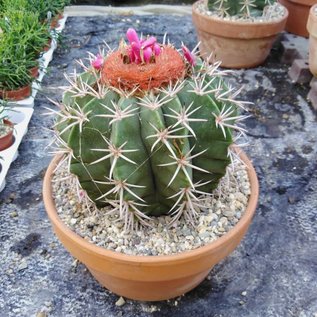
(156, 49)
(147, 54)
(189, 56)
(136, 47)
(149, 42)
(137, 59)
(97, 62)
(131, 55)
(132, 36)
(141, 50)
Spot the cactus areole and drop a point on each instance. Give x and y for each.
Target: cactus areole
(147, 129)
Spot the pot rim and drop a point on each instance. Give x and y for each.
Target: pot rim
(312, 14)
(239, 23)
(305, 3)
(312, 21)
(8, 122)
(3, 90)
(156, 259)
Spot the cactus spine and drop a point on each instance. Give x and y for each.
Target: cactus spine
(148, 151)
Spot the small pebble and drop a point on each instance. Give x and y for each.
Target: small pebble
(120, 302)
(73, 221)
(244, 293)
(13, 214)
(23, 266)
(10, 271)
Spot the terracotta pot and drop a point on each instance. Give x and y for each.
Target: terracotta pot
(55, 20)
(7, 140)
(18, 94)
(237, 44)
(47, 46)
(149, 278)
(298, 14)
(312, 29)
(34, 71)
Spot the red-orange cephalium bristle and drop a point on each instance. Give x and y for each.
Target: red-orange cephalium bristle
(168, 67)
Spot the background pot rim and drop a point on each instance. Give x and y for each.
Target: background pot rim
(239, 23)
(156, 259)
(306, 3)
(312, 21)
(17, 90)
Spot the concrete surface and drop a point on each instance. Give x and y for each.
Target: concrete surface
(90, 10)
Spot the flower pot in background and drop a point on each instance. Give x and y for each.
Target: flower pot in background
(312, 29)
(17, 94)
(55, 21)
(47, 46)
(298, 14)
(34, 71)
(7, 140)
(237, 44)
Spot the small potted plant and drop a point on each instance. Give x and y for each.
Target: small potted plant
(57, 8)
(298, 14)
(15, 78)
(50, 11)
(147, 188)
(22, 39)
(312, 29)
(6, 130)
(238, 33)
(24, 28)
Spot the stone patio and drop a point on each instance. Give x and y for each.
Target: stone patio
(272, 273)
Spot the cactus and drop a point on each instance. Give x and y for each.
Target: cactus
(148, 130)
(241, 8)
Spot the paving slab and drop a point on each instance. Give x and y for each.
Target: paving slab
(273, 271)
(299, 71)
(294, 47)
(91, 10)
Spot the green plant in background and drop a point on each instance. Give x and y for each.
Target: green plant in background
(40, 7)
(22, 29)
(43, 7)
(6, 5)
(24, 33)
(243, 8)
(14, 69)
(146, 134)
(22, 40)
(14, 75)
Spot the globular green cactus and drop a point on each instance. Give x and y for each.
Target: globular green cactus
(148, 131)
(241, 8)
